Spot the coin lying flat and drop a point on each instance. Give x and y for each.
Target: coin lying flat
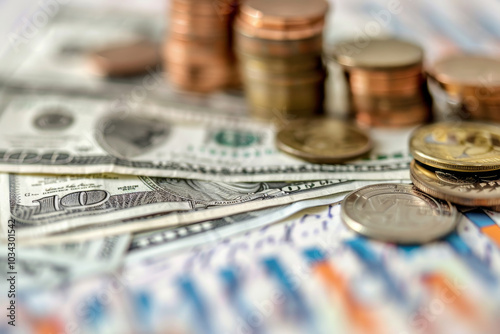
(323, 140)
(398, 213)
(469, 189)
(127, 59)
(467, 146)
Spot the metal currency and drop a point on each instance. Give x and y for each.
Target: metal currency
(200, 38)
(93, 136)
(409, 116)
(283, 14)
(323, 140)
(279, 46)
(268, 48)
(386, 82)
(398, 213)
(270, 66)
(281, 98)
(379, 54)
(224, 7)
(459, 146)
(466, 188)
(468, 74)
(126, 59)
(305, 32)
(470, 84)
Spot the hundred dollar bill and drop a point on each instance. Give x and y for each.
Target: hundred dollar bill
(45, 204)
(290, 193)
(65, 135)
(50, 266)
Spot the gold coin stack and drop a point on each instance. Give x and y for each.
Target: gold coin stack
(387, 85)
(471, 85)
(279, 46)
(198, 53)
(458, 162)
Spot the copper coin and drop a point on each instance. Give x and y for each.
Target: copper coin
(245, 28)
(387, 103)
(477, 75)
(389, 75)
(394, 119)
(191, 32)
(208, 7)
(182, 52)
(378, 54)
(405, 88)
(283, 14)
(278, 48)
(126, 59)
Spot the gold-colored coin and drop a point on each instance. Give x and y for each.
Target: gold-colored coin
(469, 189)
(467, 146)
(323, 140)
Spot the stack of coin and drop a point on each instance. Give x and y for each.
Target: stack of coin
(198, 50)
(458, 162)
(279, 47)
(386, 81)
(471, 84)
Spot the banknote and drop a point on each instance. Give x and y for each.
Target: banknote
(291, 193)
(70, 135)
(55, 58)
(158, 243)
(50, 266)
(47, 204)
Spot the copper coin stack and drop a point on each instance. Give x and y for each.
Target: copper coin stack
(198, 53)
(279, 46)
(386, 82)
(471, 84)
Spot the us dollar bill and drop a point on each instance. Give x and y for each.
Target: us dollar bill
(158, 243)
(45, 204)
(66, 135)
(55, 265)
(287, 194)
(34, 61)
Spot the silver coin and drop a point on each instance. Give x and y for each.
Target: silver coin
(398, 213)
